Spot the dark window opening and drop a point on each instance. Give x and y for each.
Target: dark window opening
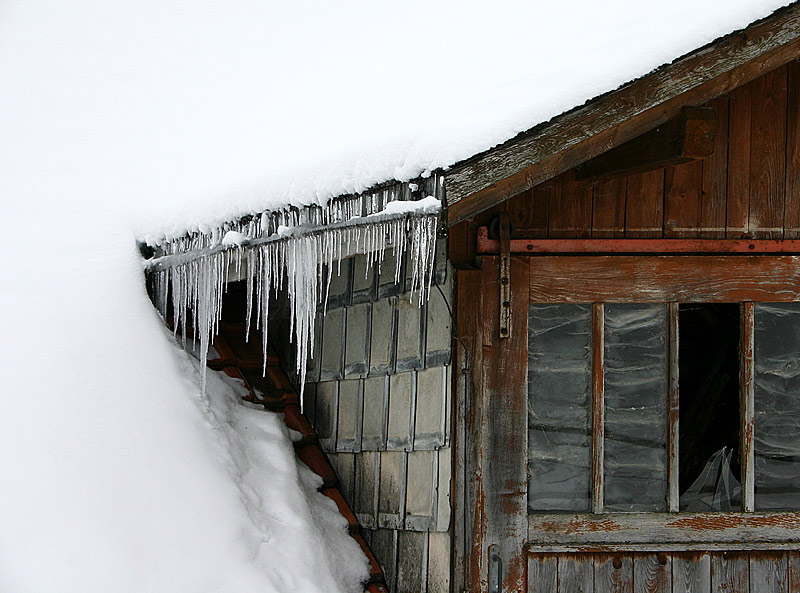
(708, 355)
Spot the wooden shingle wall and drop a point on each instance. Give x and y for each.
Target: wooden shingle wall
(378, 395)
(748, 188)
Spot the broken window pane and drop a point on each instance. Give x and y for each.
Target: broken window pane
(708, 357)
(777, 406)
(559, 407)
(635, 407)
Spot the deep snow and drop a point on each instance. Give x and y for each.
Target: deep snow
(138, 119)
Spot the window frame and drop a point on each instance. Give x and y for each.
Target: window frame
(669, 280)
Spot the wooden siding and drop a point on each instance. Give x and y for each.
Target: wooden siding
(748, 188)
(665, 572)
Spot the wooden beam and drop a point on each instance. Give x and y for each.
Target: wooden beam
(664, 278)
(598, 407)
(619, 116)
(688, 137)
(626, 530)
(746, 406)
(610, 246)
(673, 410)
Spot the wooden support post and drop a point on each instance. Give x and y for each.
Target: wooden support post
(746, 405)
(673, 411)
(598, 407)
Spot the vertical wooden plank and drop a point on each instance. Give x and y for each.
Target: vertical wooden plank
(652, 572)
(673, 410)
(542, 573)
(791, 220)
(746, 407)
(608, 208)
(412, 561)
(571, 213)
(438, 562)
(613, 573)
(575, 573)
(769, 572)
(644, 205)
(738, 202)
(530, 210)
(768, 155)
(466, 509)
(691, 572)
(715, 177)
(598, 407)
(794, 571)
(730, 572)
(461, 244)
(504, 422)
(682, 200)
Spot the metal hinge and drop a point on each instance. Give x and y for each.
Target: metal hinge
(505, 274)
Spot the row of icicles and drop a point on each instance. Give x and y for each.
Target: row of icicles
(297, 264)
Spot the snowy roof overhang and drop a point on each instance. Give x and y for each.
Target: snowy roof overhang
(551, 148)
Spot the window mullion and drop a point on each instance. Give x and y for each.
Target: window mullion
(598, 406)
(746, 405)
(673, 410)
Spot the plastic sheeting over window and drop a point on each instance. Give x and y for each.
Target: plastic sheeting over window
(559, 407)
(777, 406)
(636, 407)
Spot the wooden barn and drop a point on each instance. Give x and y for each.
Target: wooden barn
(601, 390)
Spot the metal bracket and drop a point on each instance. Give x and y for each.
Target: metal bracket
(505, 275)
(495, 569)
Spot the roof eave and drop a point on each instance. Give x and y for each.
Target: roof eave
(609, 120)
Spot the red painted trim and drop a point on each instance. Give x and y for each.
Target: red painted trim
(612, 246)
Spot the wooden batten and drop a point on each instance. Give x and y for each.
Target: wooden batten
(660, 279)
(689, 137)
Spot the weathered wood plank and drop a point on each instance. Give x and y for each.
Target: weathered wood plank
(613, 573)
(688, 137)
(702, 279)
(715, 177)
(412, 561)
(730, 572)
(769, 572)
(644, 204)
(691, 572)
(503, 430)
(466, 508)
(576, 573)
(738, 208)
(384, 546)
(792, 209)
(701, 529)
(768, 155)
(682, 200)
(747, 406)
(608, 210)
(794, 571)
(542, 573)
(673, 410)
(598, 407)
(622, 115)
(438, 562)
(571, 213)
(652, 573)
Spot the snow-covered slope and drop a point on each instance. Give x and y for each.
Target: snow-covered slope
(128, 119)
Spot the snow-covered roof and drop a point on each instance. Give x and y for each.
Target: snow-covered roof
(146, 119)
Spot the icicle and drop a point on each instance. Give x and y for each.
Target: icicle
(302, 265)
